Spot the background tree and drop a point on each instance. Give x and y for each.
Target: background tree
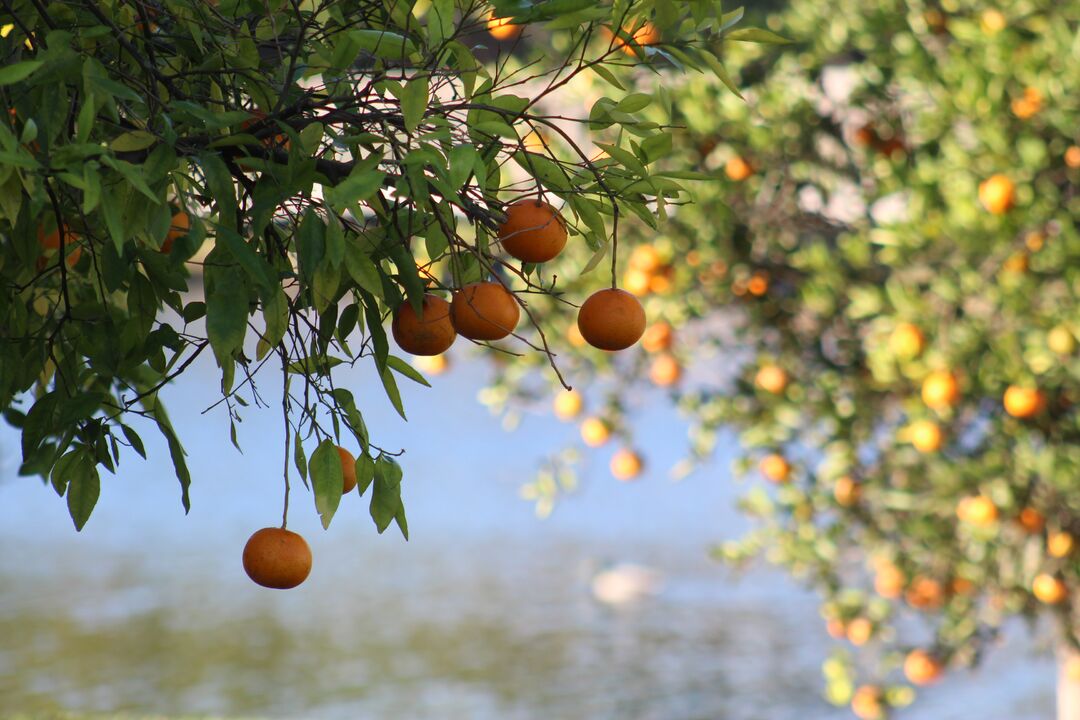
(879, 293)
(321, 165)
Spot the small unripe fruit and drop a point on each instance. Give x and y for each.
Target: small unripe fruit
(906, 341)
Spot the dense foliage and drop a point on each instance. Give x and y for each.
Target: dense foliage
(880, 294)
(320, 165)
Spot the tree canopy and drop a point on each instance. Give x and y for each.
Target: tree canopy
(268, 182)
(880, 295)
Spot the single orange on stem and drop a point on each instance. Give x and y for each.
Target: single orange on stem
(429, 333)
(277, 558)
(611, 319)
(484, 311)
(534, 231)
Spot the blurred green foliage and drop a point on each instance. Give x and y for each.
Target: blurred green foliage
(850, 245)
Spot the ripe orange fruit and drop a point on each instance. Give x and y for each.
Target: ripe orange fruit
(922, 668)
(940, 390)
(738, 169)
(665, 370)
(502, 28)
(997, 194)
(429, 333)
(1023, 402)
(859, 631)
(277, 558)
(1017, 263)
(978, 510)
(348, 470)
(658, 337)
(567, 405)
(926, 436)
(1072, 157)
(626, 465)
(484, 311)
(1034, 241)
(1048, 589)
(835, 628)
(925, 594)
(867, 703)
(595, 432)
(1031, 520)
(534, 231)
(847, 491)
(431, 364)
(178, 228)
(889, 581)
(906, 341)
(961, 586)
(646, 258)
(775, 468)
(758, 284)
(611, 319)
(660, 283)
(772, 379)
(1060, 544)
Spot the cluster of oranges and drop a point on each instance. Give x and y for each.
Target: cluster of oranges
(610, 319)
(534, 232)
(647, 272)
(888, 143)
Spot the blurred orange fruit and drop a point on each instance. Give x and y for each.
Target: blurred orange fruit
(595, 432)
(925, 594)
(1060, 544)
(997, 194)
(775, 468)
(568, 405)
(665, 370)
(1072, 157)
(922, 668)
(646, 258)
(906, 340)
(977, 510)
(867, 703)
(925, 435)
(431, 364)
(738, 169)
(1031, 520)
(889, 581)
(859, 631)
(1048, 589)
(1023, 402)
(626, 465)
(847, 491)
(658, 337)
(940, 390)
(772, 379)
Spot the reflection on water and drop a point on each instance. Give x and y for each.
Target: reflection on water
(487, 614)
(436, 637)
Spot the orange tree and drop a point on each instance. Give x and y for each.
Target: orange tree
(878, 292)
(268, 182)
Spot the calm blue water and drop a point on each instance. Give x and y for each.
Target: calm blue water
(486, 613)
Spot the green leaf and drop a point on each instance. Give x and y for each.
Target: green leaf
(326, 480)
(414, 101)
(392, 392)
(226, 318)
(365, 473)
(83, 489)
(383, 44)
(18, 71)
(407, 370)
(757, 35)
(362, 269)
(386, 496)
(132, 141)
